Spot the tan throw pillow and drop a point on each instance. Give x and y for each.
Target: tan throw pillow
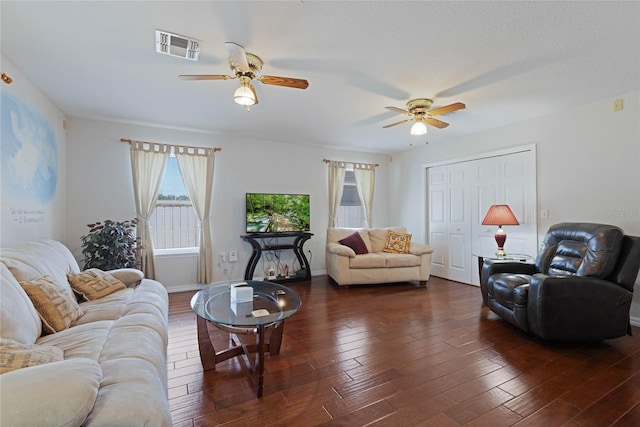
(397, 243)
(15, 355)
(94, 284)
(54, 306)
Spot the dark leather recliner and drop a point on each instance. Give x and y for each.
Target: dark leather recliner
(579, 288)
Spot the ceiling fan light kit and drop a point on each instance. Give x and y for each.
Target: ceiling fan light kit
(419, 128)
(419, 111)
(244, 95)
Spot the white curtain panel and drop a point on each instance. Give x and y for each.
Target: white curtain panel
(196, 167)
(336, 186)
(148, 162)
(365, 181)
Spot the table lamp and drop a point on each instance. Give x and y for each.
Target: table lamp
(500, 215)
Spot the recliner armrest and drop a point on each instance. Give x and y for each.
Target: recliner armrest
(338, 249)
(491, 267)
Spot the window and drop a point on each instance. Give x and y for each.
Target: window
(351, 212)
(174, 224)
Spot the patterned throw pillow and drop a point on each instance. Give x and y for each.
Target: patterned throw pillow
(355, 242)
(397, 243)
(94, 284)
(56, 308)
(15, 355)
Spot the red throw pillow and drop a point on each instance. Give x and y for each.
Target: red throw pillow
(355, 242)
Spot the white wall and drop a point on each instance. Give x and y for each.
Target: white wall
(99, 187)
(34, 142)
(588, 168)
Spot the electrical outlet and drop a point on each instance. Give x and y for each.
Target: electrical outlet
(233, 255)
(222, 256)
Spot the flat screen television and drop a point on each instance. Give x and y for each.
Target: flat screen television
(273, 213)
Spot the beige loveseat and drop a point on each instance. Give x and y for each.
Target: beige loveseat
(375, 266)
(109, 366)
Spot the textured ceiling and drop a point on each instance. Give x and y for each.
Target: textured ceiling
(507, 61)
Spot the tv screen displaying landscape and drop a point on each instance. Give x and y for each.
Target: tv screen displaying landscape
(272, 213)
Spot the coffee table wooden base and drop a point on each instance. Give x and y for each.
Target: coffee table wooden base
(209, 357)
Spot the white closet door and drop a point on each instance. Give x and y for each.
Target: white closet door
(437, 183)
(459, 227)
(450, 222)
(518, 190)
(486, 192)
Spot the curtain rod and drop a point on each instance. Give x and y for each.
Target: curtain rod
(351, 163)
(129, 141)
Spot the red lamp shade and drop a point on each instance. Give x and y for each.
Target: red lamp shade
(500, 215)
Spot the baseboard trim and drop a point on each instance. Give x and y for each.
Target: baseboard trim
(184, 288)
(635, 321)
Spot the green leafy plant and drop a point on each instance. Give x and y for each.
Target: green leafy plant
(110, 245)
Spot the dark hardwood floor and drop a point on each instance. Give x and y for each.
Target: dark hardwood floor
(401, 355)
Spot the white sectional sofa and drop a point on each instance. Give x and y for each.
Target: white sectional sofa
(346, 267)
(110, 364)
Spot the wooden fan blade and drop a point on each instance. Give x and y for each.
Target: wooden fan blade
(255, 95)
(205, 77)
(446, 109)
(237, 57)
(398, 110)
(284, 81)
(397, 123)
(435, 122)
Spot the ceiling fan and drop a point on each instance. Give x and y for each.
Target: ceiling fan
(246, 67)
(419, 110)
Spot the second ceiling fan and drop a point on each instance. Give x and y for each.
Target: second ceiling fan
(419, 111)
(247, 67)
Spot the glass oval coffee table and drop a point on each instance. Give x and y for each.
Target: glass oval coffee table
(271, 305)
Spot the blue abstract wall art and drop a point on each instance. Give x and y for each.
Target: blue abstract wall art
(29, 153)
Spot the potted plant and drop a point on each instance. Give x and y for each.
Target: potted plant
(110, 245)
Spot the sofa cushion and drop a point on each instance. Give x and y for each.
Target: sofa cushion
(378, 237)
(368, 261)
(397, 243)
(32, 260)
(401, 260)
(94, 284)
(83, 341)
(54, 394)
(19, 319)
(355, 242)
(15, 355)
(56, 309)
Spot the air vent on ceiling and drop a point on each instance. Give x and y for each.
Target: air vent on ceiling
(176, 45)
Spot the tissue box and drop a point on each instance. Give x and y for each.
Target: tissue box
(242, 308)
(241, 292)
